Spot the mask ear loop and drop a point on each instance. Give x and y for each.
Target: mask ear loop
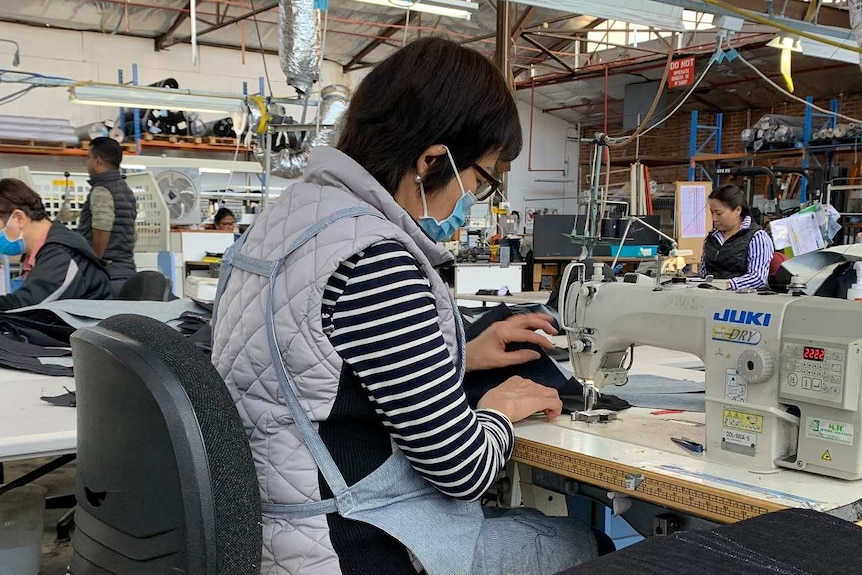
(422, 195)
(457, 173)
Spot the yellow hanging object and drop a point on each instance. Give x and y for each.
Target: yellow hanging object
(785, 68)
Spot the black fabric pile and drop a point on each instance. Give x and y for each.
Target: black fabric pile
(789, 542)
(20, 355)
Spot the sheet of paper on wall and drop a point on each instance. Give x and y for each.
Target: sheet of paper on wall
(692, 211)
(805, 234)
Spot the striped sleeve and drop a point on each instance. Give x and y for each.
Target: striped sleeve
(380, 315)
(760, 252)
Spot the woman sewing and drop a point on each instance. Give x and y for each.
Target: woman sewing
(345, 352)
(737, 250)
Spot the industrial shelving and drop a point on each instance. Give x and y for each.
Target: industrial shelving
(806, 150)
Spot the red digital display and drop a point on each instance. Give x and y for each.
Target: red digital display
(813, 353)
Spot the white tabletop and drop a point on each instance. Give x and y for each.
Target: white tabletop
(30, 427)
(640, 441)
(525, 297)
(630, 448)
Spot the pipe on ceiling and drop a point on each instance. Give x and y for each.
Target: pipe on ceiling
(291, 163)
(299, 43)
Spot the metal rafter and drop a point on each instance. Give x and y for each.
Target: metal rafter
(266, 7)
(385, 33)
(549, 53)
(161, 41)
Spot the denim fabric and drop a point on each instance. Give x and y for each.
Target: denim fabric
(790, 542)
(525, 542)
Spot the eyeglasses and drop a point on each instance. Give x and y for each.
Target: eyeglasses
(487, 185)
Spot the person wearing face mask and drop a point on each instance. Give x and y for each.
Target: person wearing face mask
(345, 353)
(738, 250)
(57, 262)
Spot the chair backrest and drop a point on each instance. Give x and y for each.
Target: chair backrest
(146, 286)
(165, 478)
(778, 258)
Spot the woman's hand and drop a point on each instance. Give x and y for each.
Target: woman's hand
(518, 398)
(488, 350)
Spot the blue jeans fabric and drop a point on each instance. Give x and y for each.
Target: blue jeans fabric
(526, 542)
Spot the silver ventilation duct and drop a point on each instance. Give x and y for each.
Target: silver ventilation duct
(299, 43)
(855, 7)
(290, 163)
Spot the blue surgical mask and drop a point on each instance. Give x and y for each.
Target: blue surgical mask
(442, 231)
(11, 247)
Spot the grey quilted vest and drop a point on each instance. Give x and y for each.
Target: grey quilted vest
(287, 471)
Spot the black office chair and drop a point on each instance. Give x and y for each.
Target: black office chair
(165, 480)
(146, 286)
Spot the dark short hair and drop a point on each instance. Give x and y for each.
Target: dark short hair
(108, 150)
(222, 213)
(432, 91)
(16, 195)
(733, 197)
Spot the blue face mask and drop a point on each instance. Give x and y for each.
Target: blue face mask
(442, 231)
(11, 247)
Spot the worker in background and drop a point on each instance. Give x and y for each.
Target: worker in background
(224, 220)
(373, 346)
(57, 262)
(737, 250)
(108, 216)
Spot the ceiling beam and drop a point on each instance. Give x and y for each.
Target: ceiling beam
(161, 41)
(385, 33)
(266, 7)
(518, 28)
(831, 22)
(550, 54)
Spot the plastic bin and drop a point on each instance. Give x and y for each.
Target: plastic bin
(22, 513)
(634, 251)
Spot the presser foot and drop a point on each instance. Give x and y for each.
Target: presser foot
(594, 416)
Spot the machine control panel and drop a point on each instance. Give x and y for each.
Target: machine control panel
(817, 372)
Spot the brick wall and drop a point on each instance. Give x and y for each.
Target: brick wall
(672, 139)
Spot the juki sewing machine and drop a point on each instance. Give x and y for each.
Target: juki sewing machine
(783, 373)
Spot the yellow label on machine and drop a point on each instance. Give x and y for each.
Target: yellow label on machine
(826, 456)
(743, 421)
(63, 183)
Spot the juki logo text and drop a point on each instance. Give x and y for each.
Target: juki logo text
(743, 317)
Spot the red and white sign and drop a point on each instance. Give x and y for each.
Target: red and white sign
(681, 72)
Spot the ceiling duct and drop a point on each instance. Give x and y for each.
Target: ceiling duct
(299, 43)
(855, 7)
(290, 163)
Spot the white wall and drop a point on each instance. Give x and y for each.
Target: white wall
(548, 153)
(97, 57)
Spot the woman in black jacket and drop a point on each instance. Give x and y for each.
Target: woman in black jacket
(57, 262)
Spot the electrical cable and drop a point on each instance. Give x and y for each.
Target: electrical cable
(783, 27)
(624, 141)
(789, 94)
(9, 98)
(260, 44)
(684, 99)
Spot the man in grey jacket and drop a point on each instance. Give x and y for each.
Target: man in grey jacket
(107, 218)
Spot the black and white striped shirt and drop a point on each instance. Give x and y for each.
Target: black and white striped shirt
(380, 315)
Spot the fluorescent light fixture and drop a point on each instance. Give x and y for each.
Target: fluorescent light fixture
(656, 13)
(820, 50)
(462, 9)
(145, 97)
(214, 171)
(126, 166)
(785, 42)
